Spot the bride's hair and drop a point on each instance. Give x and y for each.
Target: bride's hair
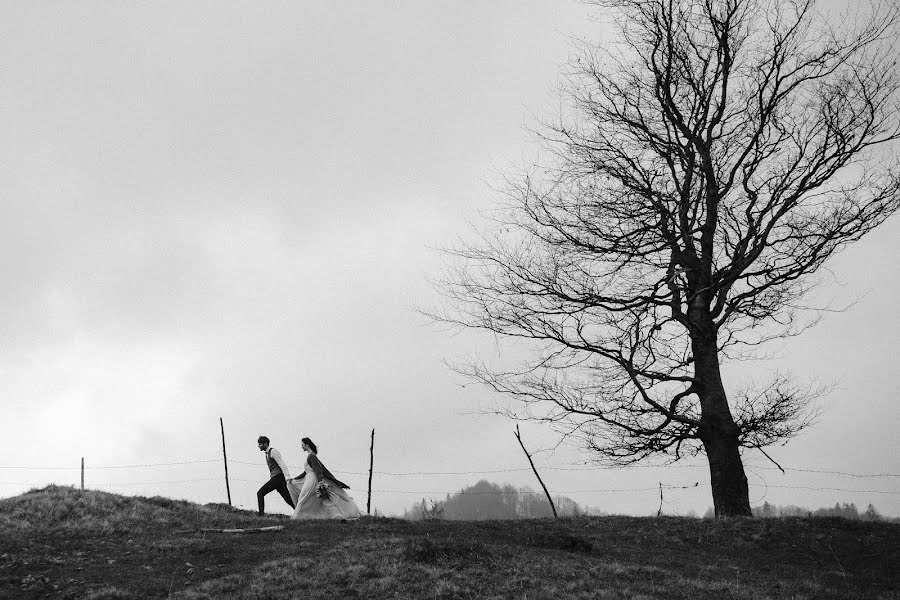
(309, 443)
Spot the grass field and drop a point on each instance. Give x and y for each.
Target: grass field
(59, 542)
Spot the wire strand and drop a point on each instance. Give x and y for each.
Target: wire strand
(93, 468)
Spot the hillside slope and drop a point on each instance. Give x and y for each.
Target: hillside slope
(59, 542)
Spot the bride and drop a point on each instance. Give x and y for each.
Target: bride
(318, 494)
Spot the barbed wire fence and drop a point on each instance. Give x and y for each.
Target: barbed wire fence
(664, 490)
(661, 487)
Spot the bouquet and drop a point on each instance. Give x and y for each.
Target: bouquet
(323, 491)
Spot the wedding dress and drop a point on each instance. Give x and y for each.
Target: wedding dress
(338, 505)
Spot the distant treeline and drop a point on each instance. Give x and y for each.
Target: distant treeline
(847, 511)
(486, 500)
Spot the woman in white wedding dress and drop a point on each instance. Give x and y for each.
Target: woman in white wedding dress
(314, 502)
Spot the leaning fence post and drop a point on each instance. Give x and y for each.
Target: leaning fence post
(541, 481)
(225, 459)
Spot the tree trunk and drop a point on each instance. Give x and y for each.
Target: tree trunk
(718, 432)
(731, 496)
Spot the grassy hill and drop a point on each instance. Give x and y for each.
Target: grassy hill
(59, 542)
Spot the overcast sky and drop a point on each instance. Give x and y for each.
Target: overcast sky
(219, 209)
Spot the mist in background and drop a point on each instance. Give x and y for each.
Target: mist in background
(217, 210)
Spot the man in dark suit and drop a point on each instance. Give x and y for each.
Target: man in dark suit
(278, 474)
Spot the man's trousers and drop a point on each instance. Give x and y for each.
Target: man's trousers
(277, 483)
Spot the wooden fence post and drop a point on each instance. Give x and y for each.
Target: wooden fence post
(371, 464)
(82, 473)
(659, 512)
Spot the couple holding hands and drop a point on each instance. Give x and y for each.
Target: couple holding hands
(314, 494)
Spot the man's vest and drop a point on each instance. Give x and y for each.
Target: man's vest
(274, 469)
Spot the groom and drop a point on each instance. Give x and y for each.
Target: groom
(278, 473)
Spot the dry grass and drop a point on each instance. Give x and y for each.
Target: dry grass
(62, 543)
(61, 508)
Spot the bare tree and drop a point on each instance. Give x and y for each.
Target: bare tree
(713, 159)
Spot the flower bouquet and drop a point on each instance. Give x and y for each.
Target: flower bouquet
(323, 491)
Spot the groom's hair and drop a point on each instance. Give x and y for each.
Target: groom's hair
(262, 440)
